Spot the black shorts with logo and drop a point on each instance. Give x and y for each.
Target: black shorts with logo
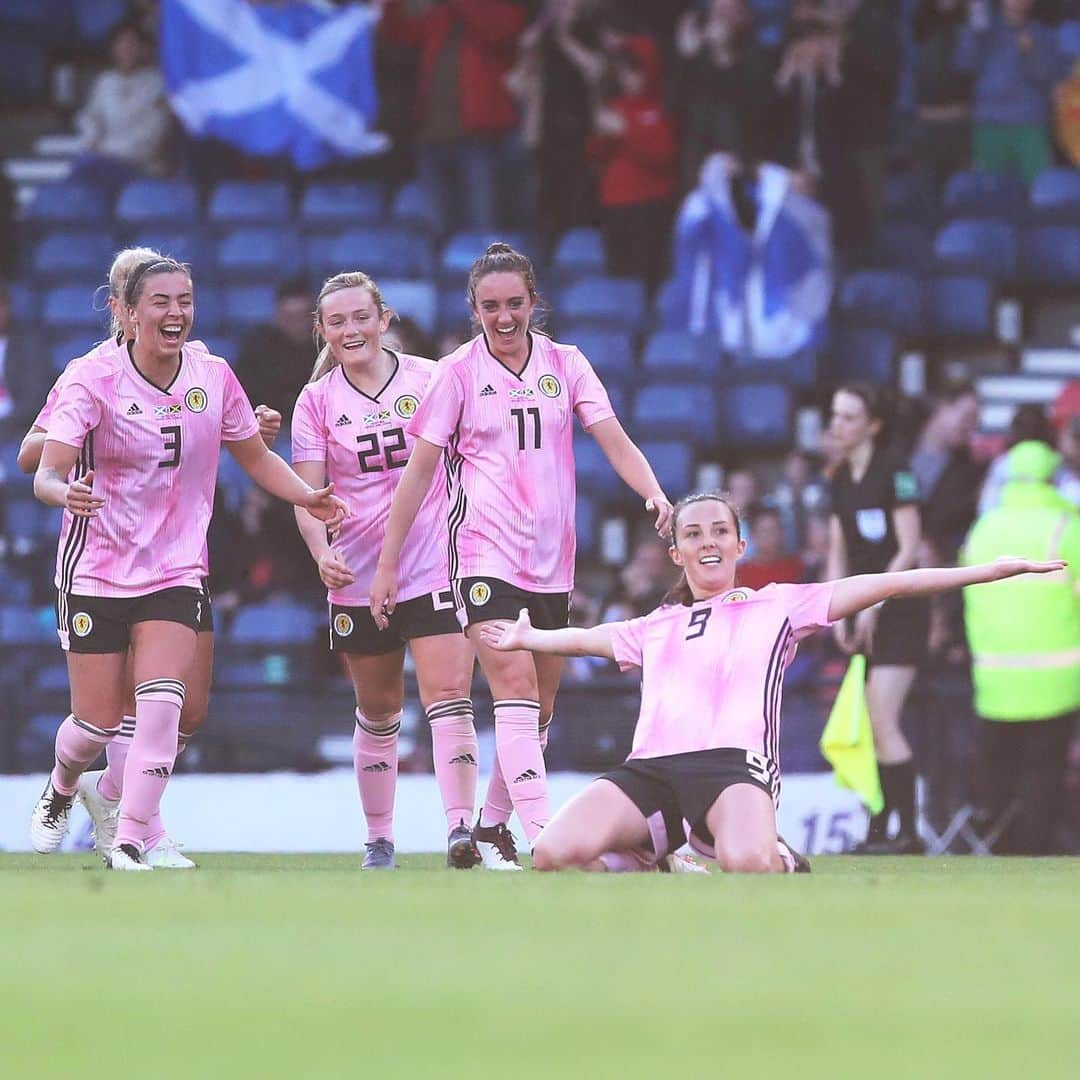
(483, 598)
(353, 630)
(102, 624)
(678, 788)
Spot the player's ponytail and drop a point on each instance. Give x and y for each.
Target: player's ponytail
(347, 279)
(680, 593)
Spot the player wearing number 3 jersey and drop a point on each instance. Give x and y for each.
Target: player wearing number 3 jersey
(712, 658)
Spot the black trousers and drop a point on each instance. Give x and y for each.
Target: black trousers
(1024, 762)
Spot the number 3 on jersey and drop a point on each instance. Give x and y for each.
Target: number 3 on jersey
(170, 436)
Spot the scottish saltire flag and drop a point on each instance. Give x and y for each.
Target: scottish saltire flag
(292, 79)
(766, 294)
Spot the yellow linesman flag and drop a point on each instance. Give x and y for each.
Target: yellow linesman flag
(847, 743)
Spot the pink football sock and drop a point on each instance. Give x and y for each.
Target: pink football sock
(453, 744)
(375, 758)
(497, 803)
(150, 760)
(111, 783)
(517, 741)
(155, 829)
(77, 747)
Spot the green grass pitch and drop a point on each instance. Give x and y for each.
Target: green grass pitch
(299, 966)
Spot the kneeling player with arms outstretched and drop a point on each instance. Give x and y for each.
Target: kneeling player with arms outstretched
(707, 742)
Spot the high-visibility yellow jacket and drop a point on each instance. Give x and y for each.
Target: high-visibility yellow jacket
(1024, 633)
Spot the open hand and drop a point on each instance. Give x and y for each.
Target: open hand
(506, 636)
(1008, 566)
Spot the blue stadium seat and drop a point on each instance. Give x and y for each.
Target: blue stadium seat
(464, 248)
(667, 313)
(21, 625)
(888, 298)
(325, 204)
(683, 411)
(611, 352)
(419, 300)
(673, 464)
(959, 307)
(1050, 255)
(865, 353)
(66, 350)
(209, 310)
(275, 623)
(248, 305)
(909, 197)
(755, 415)
(69, 309)
(453, 307)
(64, 203)
(24, 72)
(73, 254)
(412, 206)
(259, 253)
(901, 245)
(592, 469)
(579, 252)
(232, 481)
(250, 202)
(241, 673)
(1069, 38)
(28, 522)
(984, 195)
(978, 247)
(1055, 197)
(94, 22)
(615, 302)
(384, 251)
(15, 589)
(586, 525)
(190, 246)
(51, 679)
(800, 369)
(678, 354)
(619, 398)
(225, 347)
(168, 203)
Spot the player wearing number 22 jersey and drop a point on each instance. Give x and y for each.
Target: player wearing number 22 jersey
(365, 443)
(151, 532)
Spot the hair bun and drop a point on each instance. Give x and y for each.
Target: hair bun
(500, 247)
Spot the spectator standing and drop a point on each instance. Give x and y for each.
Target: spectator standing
(633, 142)
(771, 562)
(1026, 669)
(1016, 63)
(1028, 423)
(464, 111)
(125, 123)
(723, 86)
(275, 360)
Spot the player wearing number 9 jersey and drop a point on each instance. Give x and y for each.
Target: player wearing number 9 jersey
(712, 658)
(349, 425)
(503, 407)
(147, 420)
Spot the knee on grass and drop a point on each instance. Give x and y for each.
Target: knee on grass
(744, 859)
(550, 856)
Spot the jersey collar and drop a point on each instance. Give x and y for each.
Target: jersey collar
(150, 382)
(382, 389)
(519, 375)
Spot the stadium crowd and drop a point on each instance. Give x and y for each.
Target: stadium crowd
(734, 206)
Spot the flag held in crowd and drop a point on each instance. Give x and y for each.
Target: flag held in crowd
(289, 79)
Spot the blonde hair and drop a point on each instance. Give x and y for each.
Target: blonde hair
(347, 279)
(123, 263)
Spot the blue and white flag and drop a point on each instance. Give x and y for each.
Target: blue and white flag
(765, 294)
(292, 79)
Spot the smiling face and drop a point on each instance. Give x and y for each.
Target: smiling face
(504, 307)
(352, 325)
(162, 314)
(706, 545)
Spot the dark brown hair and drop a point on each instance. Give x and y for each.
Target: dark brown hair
(680, 592)
(501, 258)
(878, 402)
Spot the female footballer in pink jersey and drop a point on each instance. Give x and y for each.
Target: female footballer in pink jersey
(147, 421)
(712, 660)
(502, 407)
(100, 791)
(349, 427)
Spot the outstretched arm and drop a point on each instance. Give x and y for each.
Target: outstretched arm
(853, 594)
(633, 469)
(571, 641)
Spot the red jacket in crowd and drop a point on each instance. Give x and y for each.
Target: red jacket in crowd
(488, 50)
(641, 164)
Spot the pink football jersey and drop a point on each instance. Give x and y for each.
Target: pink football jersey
(510, 444)
(712, 673)
(365, 445)
(154, 453)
